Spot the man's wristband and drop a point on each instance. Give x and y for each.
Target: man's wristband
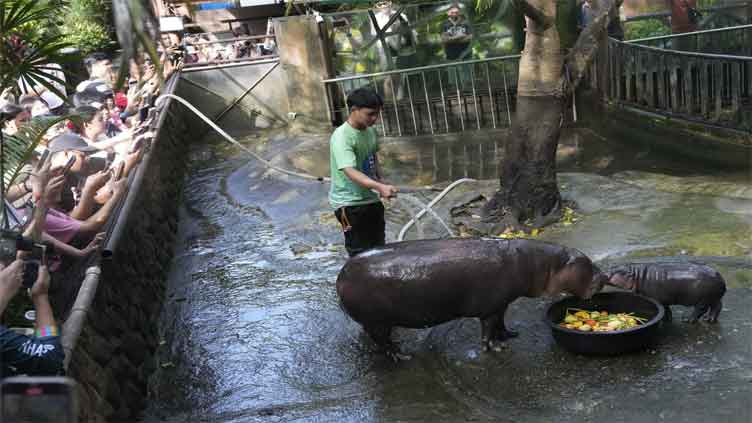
(43, 331)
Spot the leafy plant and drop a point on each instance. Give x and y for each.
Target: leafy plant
(27, 54)
(87, 35)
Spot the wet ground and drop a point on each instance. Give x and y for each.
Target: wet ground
(253, 331)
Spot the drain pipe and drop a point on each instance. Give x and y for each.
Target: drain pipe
(75, 322)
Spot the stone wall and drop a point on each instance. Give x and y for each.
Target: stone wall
(114, 355)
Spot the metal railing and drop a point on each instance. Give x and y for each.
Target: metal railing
(708, 11)
(702, 87)
(450, 97)
(231, 50)
(735, 40)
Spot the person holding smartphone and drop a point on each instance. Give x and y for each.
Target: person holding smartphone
(41, 354)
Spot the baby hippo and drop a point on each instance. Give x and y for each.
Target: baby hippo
(687, 284)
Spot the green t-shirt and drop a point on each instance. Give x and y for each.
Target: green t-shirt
(350, 147)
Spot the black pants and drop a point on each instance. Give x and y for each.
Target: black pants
(363, 226)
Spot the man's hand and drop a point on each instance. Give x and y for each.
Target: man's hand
(53, 190)
(11, 277)
(96, 181)
(386, 191)
(94, 244)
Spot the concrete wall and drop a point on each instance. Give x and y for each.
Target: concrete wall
(305, 66)
(114, 355)
(212, 90)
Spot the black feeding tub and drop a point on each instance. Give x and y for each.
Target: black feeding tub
(607, 343)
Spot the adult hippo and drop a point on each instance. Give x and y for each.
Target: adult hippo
(418, 284)
(688, 284)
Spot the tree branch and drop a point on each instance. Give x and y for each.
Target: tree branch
(533, 13)
(581, 55)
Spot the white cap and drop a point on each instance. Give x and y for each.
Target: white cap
(53, 100)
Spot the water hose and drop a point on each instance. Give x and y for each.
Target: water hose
(433, 202)
(267, 163)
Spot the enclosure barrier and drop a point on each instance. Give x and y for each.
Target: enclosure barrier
(707, 88)
(451, 97)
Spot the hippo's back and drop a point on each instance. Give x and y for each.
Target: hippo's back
(682, 283)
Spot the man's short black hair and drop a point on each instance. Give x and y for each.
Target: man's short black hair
(364, 97)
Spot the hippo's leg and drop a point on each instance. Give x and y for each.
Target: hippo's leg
(504, 333)
(494, 333)
(382, 335)
(667, 316)
(715, 310)
(699, 310)
(489, 326)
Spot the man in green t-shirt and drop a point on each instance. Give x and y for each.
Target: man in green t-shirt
(356, 178)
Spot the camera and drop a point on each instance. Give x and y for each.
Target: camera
(39, 400)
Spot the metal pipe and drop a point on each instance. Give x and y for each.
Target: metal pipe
(381, 114)
(231, 40)
(190, 69)
(245, 93)
(491, 96)
(443, 101)
(77, 317)
(424, 68)
(506, 93)
(687, 34)
(475, 96)
(412, 106)
(230, 61)
(428, 100)
(396, 108)
(459, 100)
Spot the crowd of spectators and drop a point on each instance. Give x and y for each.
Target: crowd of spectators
(67, 193)
(200, 49)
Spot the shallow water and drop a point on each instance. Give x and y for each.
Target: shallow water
(253, 331)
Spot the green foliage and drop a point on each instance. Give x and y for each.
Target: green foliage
(25, 49)
(646, 28)
(85, 25)
(87, 35)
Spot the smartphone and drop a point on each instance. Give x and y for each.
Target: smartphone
(119, 171)
(30, 274)
(38, 399)
(31, 266)
(68, 165)
(96, 164)
(43, 158)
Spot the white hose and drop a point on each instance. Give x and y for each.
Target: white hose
(433, 202)
(312, 177)
(433, 213)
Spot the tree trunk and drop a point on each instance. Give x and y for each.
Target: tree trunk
(529, 192)
(528, 171)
